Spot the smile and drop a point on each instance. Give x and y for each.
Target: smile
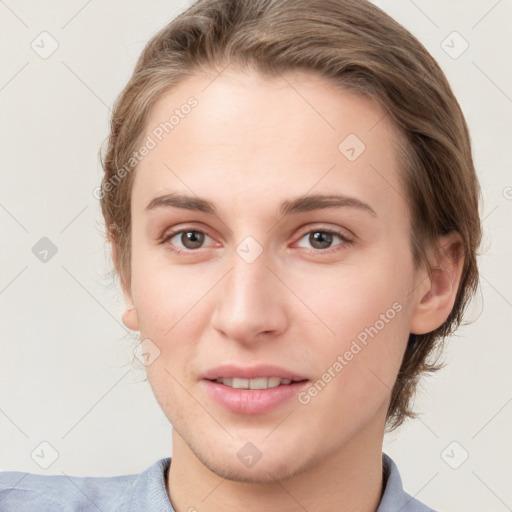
(257, 383)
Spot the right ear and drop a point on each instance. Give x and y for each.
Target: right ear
(130, 318)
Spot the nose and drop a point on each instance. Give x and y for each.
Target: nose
(250, 304)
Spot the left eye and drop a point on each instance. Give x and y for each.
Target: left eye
(323, 239)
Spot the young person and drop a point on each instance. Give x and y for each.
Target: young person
(292, 206)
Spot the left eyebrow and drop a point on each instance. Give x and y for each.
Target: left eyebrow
(298, 205)
(315, 202)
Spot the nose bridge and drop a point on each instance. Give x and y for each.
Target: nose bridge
(250, 301)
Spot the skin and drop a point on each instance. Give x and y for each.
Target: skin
(251, 143)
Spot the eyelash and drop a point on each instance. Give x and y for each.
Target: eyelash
(345, 240)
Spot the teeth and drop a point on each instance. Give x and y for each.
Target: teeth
(261, 383)
(240, 383)
(273, 382)
(258, 383)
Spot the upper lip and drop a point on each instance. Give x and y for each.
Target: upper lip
(251, 372)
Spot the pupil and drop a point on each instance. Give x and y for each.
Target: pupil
(192, 239)
(320, 239)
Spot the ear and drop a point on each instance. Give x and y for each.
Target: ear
(130, 318)
(435, 295)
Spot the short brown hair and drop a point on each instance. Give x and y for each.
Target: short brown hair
(357, 46)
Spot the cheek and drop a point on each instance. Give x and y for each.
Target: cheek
(163, 294)
(367, 308)
(352, 297)
(172, 314)
(172, 317)
(173, 308)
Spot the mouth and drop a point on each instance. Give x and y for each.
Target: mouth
(252, 390)
(256, 383)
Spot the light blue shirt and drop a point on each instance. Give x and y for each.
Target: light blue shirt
(142, 492)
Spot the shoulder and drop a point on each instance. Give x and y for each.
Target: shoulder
(28, 492)
(394, 497)
(24, 492)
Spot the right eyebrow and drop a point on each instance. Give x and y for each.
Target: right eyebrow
(182, 201)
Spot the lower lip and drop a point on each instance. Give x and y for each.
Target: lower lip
(252, 401)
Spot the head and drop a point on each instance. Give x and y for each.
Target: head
(254, 106)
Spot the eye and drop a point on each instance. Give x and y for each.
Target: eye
(321, 239)
(189, 239)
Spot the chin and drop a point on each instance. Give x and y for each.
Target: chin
(264, 472)
(226, 460)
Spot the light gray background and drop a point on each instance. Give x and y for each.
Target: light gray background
(65, 372)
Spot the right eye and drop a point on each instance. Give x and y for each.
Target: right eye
(186, 239)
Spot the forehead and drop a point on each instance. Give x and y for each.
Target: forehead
(248, 134)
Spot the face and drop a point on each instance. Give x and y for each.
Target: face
(270, 239)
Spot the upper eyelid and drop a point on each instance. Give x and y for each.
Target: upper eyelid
(340, 231)
(173, 233)
(345, 239)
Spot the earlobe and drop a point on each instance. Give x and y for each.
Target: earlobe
(436, 293)
(129, 317)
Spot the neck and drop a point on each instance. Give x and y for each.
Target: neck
(349, 479)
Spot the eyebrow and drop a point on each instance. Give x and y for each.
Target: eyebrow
(298, 205)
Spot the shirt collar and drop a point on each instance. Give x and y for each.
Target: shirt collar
(148, 491)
